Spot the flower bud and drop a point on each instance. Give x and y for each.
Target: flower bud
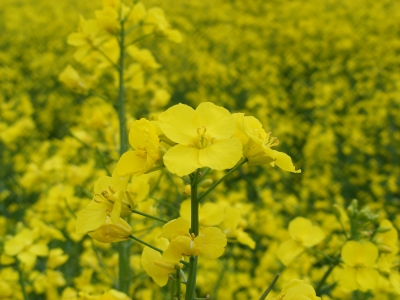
(110, 233)
(384, 248)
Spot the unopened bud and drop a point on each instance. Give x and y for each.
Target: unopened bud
(384, 248)
(206, 183)
(353, 208)
(366, 233)
(383, 229)
(336, 211)
(187, 190)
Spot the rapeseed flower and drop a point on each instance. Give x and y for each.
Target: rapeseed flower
(204, 138)
(297, 290)
(211, 241)
(257, 144)
(145, 142)
(303, 235)
(109, 200)
(358, 271)
(160, 266)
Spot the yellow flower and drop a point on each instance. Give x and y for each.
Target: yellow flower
(231, 227)
(297, 290)
(160, 266)
(156, 22)
(387, 241)
(110, 232)
(85, 39)
(358, 272)
(303, 235)
(109, 200)
(24, 246)
(108, 19)
(145, 142)
(211, 241)
(71, 78)
(144, 57)
(257, 144)
(204, 138)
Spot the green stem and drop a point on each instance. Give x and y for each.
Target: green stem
(148, 216)
(169, 205)
(239, 164)
(21, 281)
(139, 39)
(192, 273)
(145, 243)
(326, 275)
(194, 204)
(269, 288)
(178, 290)
(191, 282)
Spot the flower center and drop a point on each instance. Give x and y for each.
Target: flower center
(204, 140)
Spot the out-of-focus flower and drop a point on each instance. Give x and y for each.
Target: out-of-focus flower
(303, 235)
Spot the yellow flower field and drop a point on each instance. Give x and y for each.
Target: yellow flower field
(199, 150)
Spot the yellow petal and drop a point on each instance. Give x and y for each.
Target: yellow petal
(182, 160)
(315, 236)
(155, 266)
(299, 228)
(142, 134)
(27, 259)
(357, 254)
(211, 242)
(283, 161)
(175, 227)
(221, 154)
(103, 184)
(395, 281)
(180, 123)
(210, 214)
(185, 210)
(245, 239)
(132, 163)
(119, 183)
(183, 245)
(91, 217)
(288, 250)
(367, 278)
(116, 211)
(219, 122)
(39, 249)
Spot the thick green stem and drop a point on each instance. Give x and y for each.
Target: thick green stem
(178, 290)
(123, 250)
(123, 254)
(192, 273)
(191, 282)
(239, 164)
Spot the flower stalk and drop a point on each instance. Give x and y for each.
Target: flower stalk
(192, 273)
